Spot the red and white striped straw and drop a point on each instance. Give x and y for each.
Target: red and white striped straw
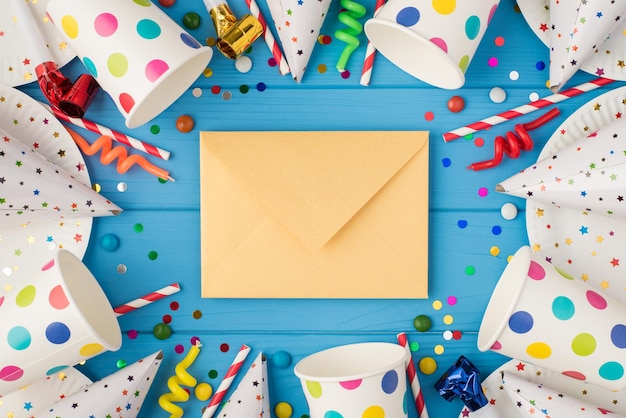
(274, 47)
(370, 53)
(147, 299)
(525, 109)
(115, 135)
(416, 389)
(230, 375)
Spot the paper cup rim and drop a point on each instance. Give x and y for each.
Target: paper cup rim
(309, 372)
(396, 53)
(507, 292)
(111, 338)
(170, 85)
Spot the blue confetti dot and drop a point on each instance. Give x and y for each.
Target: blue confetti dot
(462, 223)
(408, 16)
(496, 230)
(540, 65)
(446, 162)
(261, 86)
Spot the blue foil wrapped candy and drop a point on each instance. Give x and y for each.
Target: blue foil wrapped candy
(461, 380)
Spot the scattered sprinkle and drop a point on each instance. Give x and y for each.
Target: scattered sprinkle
(196, 92)
(162, 331)
(497, 95)
(479, 142)
(216, 89)
(508, 211)
(452, 300)
(272, 62)
(448, 319)
(152, 255)
(213, 374)
(322, 68)
(470, 270)
(429, 116)
(121, 268)
(281, 359)
(121, 364)
(494, 251)
(224, 347)
(138, 228)
(122, 186)
(179, 349)
(446, 162)
(210, 41)
(447, 335)
(243, 89)
(439, 349)
(167, 319)
(533, 96)
(414, 346)
(132, 334)
(174, 306)
(492, 62)
(227, 95)
(155, 129)
(191, 20)
(462, 223)
(197, 314)
(261, 86)
(345, 74)
(540, 65)
(514, 75)
(499, 41)
(283, 410)
(437, 305)
(243, 64)
(207, 72)
(496, 230)
(483, 191)
(427, 365)
(422, 323)
(456, 104)
(457, 334)
(110, 242)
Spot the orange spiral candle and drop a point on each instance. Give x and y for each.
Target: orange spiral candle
(119, 153)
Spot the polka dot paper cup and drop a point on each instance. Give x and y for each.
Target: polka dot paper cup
(51, 321)
(142, 58)
(432, 40)
(365, 380)
(540, 314)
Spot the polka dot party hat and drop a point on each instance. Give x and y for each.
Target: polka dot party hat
(588, 175)
(364, 380)
(55, 319)
(540, 314)
(142, 58)
(432, 40)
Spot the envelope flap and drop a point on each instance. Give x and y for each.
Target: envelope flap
(314, 182)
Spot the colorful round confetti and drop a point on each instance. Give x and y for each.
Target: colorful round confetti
(508, 211)
(243, 64)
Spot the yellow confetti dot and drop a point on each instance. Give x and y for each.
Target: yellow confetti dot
(283, 410)
(203, 391)
(321, 68)
(494, 251)
(208, 72)
(448, 319)
(427, 365)
(439, 349)
(210, 41)
(437, 305)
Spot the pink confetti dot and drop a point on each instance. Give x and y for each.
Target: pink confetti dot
(179, 349)
(345, 74)
(479, 142)
(452, 300)
(194, 340)
(272, 62)
(483, 191)
(492, 62)
(429, 116)
(132, 334)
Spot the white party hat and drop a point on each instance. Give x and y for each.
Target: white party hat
(251, 398)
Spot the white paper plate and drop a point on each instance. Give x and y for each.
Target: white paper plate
(15, 67)
(588, 246)
(22, 403)
(501, 403)
(610, 59)
(24, 249)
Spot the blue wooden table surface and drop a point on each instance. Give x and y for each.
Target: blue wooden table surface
(465, 224)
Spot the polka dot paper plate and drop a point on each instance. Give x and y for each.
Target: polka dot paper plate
(610, 59)
(24, 248)
(502, 405)
(15, 66)
(584, 244)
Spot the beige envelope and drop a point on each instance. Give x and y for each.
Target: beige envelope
(314, 214)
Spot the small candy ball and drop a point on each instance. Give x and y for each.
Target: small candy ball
(281, 359)
(243, 64)
(508, 211)
(203, 391)
(283, 410)
(456, 104)
(167, 3)
(427, 365)
(497, 95)
(191, 20)
(162, 331)
(110, 242)
(184, 123)
(422, 323)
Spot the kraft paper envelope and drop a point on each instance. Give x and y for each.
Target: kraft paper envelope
(314, 214)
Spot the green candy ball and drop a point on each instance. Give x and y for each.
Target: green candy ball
(162, 331)
(422, 323)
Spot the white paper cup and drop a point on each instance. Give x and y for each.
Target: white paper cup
(142, 58)
(355, 380)
(540, 314)
(53, 320)
(432, 40)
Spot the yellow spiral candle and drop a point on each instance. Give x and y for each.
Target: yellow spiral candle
(175, 383)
